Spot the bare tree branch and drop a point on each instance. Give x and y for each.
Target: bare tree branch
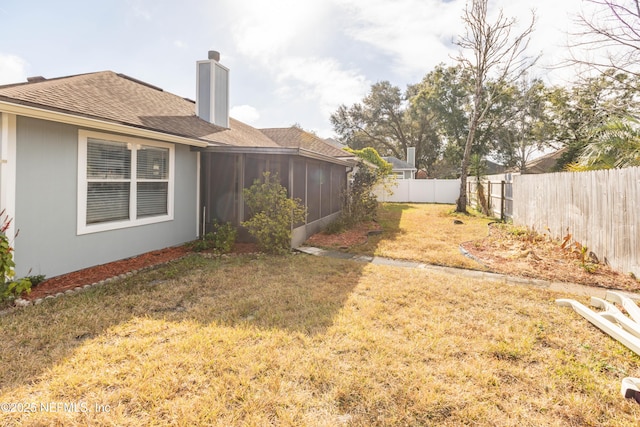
(496, 54)
(613, 28)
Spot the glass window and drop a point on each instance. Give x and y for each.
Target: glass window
(123, 182)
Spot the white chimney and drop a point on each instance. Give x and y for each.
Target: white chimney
(212, 90)
(411, 156)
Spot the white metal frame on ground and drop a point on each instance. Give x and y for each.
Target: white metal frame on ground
(613, 322)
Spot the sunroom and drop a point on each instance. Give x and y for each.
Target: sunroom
(317, 180)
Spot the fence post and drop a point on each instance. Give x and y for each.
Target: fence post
(503, 200)
(489, 204)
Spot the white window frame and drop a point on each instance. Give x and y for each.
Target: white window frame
(133, 221)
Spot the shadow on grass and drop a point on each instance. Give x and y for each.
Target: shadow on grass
(389, 219)
(298, 294)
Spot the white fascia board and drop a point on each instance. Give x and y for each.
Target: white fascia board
(41, 113)
(8, 170)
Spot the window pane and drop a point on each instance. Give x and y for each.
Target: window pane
(152, 198)
(108, 160)
(107, 201)
(152, 163)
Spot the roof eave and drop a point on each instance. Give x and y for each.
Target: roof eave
(104, 125)
(277, 151)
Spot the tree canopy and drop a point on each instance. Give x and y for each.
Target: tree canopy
(488, 106)
(387, 121)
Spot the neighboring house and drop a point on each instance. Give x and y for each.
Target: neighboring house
(493, 168)
(544, 164)
(99, 167)
(404, 169)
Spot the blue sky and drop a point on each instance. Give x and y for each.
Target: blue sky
(291, 61)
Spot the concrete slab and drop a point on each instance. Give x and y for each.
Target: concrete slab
(572, 288)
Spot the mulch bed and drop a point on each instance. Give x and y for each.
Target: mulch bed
(357, 235)
(501, 251)
(98, 273)
(538, 256)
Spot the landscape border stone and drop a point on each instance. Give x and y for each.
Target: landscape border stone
(19, 303)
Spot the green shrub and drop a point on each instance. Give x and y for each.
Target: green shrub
(36, 279)
(371, 155)
(221, 238)
(335, 227)
(272, 214)
(359, 203)
(9, 288)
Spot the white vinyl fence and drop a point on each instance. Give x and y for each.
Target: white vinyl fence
(420, 191)
(600, 209)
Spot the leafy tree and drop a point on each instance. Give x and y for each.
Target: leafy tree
(386, 121)
(444, 94)
(526, 128)
(371, 155)
(492, 51)
(359, 203)
(578, 113)
(615, 145)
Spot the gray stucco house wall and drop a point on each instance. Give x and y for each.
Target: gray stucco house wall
(47, 200)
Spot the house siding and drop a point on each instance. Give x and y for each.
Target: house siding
(46, 200)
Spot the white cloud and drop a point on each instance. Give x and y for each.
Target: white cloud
(12, 69)
(245, 113)
(264, 30)
(286, 39)
(315, 55)
(419, 34)
(140, 11)
(416, 34)
(179, 44)
(322, 80)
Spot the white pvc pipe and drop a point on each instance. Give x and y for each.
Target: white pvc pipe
(630, 341)
(626, 303)
(612, 314)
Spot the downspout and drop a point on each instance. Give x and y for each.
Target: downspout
(199, 219)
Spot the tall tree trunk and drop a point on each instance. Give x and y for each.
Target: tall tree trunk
(491, 47)
(461, 203)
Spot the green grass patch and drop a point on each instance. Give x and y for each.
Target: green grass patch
(426, 233)
(300, 340)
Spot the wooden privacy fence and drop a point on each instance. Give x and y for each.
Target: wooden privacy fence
(498, 196)
(600, 209)
(497, 191)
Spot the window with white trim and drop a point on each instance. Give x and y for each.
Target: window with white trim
(123, 182)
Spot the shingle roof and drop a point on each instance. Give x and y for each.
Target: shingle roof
(546, 163)
(295, 137)
(121, 99)
(399, 164)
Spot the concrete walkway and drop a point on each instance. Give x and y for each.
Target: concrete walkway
(572, 288)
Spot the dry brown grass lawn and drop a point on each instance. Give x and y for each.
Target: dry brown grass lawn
(300, 340)
(425, 233)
